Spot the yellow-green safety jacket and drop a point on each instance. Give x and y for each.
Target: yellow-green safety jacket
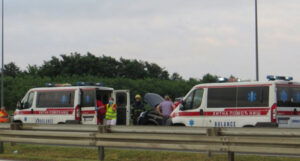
(110, 113)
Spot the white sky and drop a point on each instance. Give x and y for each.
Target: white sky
(191, 37)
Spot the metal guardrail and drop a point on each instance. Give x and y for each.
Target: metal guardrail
(229, 140)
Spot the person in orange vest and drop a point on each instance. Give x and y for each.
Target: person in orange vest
(111, 113)
(3, 115)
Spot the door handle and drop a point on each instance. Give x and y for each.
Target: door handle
(201, 112)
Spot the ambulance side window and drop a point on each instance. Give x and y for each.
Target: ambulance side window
(46, 99)
(28, 101)
(194, 100)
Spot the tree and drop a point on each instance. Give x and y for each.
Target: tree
(32, 70)
(176, 76)
(11, 69)
(102, 66)
(208, 78)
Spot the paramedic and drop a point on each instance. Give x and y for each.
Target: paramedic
(111, 112)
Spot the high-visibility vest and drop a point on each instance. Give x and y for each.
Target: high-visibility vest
(110, 113)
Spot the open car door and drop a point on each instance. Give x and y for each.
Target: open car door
(122, 99)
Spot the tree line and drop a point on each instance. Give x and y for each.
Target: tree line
(136, 75)
(89, 64)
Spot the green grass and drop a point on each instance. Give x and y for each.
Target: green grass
(59, 153)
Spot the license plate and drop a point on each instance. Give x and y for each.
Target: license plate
(88, 118)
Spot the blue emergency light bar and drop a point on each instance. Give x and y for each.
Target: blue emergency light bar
(285, 78)
(89, 84)
(99, 84)
(76, 84)
(222, 80)
(49, 84)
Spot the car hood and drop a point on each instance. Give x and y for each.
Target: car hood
(153, 99)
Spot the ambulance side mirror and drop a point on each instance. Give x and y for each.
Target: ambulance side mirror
(182, 106)
(19, 105)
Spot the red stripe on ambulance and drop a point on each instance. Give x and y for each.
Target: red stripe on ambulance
(60, 111)
(229, 112)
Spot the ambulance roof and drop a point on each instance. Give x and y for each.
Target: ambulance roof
(229, 84)
(73, 87)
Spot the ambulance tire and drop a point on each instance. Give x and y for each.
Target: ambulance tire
(178, 124)
(169, 122)
(17, 121)
(248, 126)
(72, 122)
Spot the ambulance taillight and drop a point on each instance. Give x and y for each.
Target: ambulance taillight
(273, 112)
(77, 113)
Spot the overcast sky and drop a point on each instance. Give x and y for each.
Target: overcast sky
(191, 37)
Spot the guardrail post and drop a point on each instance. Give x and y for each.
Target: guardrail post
(15, 126)
(230, 156)
(1, 147)
(212, 132)
(101, 151)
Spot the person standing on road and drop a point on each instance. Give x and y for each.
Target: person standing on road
(111, 112)
(165, 108)
(138, 108)
(100, 111)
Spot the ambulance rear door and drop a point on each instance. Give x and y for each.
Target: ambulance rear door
(122, 99)
(88, 106)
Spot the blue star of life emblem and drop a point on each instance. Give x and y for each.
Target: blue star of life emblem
(251, 96)
(63, 99)
(283, 96)
(191, 122)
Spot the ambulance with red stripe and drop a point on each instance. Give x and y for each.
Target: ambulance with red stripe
(241, 104)
(70, 104)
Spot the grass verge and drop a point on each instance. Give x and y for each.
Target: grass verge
(59, 153)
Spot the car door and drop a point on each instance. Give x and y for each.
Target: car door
(122, 99)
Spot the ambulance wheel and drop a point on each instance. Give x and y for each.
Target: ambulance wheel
(178, 125)
(248, 126)
(169, 122)
(17, 121)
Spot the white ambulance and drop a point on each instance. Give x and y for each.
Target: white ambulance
(241, 104)
(70, 104)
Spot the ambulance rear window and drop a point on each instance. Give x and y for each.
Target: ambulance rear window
(88, 98)
(288, 96)
(55, 99)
